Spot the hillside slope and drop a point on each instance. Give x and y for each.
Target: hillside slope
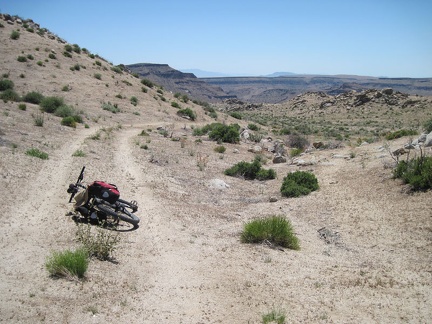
(365, 243)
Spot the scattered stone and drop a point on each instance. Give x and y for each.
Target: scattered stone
(218, 184)
(279, 159)
(273, 199)
(329, 236)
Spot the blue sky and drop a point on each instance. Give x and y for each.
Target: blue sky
(247, 37)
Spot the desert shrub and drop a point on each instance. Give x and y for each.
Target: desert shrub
(274, 316)
(400, 133)
(30, 57)
(428, 126)
(116, 69)
(253, 127)
(10, 95)
(21, 59)
(184, 98)
(98, 76)
(134, 100)
(297, 141)
(111, 107)
(76, 48)
(187, 112)
(276, 230)
(67, 54)
(52, 56)
(68, 48)
(38, 120)
(250, 171)
(33, 97)
(79, 153)
(415, 172)
(50, 104)
(236, 115)
(6, 84)
(175, 104)
(299, 183)
(68, 263)
(147, 83)
(296, 152)
(37, 153)
(68, 121)
(100, 244)
(15, 35)
(224, 133)
(220, 149)
(22, 107)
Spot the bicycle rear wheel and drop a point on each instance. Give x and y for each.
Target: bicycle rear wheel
(124, 215)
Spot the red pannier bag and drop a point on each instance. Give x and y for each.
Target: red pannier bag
(105, 191)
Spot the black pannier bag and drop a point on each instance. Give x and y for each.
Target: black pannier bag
(105, 191)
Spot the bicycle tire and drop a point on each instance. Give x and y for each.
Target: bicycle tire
(123, 215)
(129, 204)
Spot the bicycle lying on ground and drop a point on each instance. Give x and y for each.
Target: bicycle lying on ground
(100, 202)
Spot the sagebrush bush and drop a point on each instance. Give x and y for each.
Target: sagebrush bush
(33, 97)
(6, 84)
(276, 230)
(69, 121)
(111, 107)
(415, 172)
(250, 171)
(68, 263)
(187, 112)
(428, 126)
(50, 104)
(15, 35)
(299, 183)
(225, 133)
(400, 133)
(100, 243)
(37, 153)
(147, 83)
(10, 95)
(297, 141)
(220, 149)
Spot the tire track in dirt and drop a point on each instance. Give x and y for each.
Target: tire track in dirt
(34, 226)
(161, 259)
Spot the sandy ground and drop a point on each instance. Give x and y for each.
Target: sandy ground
(185, 263)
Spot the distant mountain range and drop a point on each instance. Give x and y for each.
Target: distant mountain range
(274, 88)
(207, 74)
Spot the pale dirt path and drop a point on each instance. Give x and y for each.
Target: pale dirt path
(32, 227)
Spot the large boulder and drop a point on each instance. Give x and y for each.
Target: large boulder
(428, 140)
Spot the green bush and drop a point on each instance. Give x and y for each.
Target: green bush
(9, 95)
(98, 76)
(21, 59)
(15, 35)
(175, 104)
(6, 84)
(50, 104)
(428, 126)
(100, 244)
(147, 83)
(236, 115)
(253, 127)
(37, 153)
(276, 230)
(68, 48)
(22, 107)
(134, 100)
(297, 141)
(224, 133)
(299, 183)
(220, 149)
(64, 111)
(69, 121)
(52, 56)
(400, 133)
(33, 97)
(68, 263)
(187, 112)
(416, 172)
(250, 171)
(111, 107)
